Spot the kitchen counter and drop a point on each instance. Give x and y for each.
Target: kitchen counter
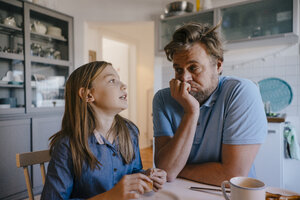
(278, 119)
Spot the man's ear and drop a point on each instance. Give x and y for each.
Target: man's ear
(88, 96)
(220, 67)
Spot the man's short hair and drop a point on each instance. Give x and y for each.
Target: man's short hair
(191, 33)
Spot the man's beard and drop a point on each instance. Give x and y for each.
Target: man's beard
(202, 96)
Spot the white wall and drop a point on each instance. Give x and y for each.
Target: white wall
(282, 63)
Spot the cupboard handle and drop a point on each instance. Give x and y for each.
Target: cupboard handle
(271, 131)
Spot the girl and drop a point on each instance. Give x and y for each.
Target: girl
(95, 154)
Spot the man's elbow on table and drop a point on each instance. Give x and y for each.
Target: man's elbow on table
(171, 177)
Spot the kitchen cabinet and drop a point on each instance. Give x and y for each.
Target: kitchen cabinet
(271, 165)
(272, 21)
(36, 58)
(29, 133)
(12, 67)
(42, 129)
(14, 138)
(247, 23)
(269, 160)
(168, 26)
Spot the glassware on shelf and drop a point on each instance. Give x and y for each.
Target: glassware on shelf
(49, 53)
(10, 21)
(11, 101)
(39, 27)
(57, 55)
(14, 77)
(36, 49)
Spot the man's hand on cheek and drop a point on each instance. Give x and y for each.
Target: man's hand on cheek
(180, 91)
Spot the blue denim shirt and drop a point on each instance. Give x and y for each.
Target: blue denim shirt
(61, 182)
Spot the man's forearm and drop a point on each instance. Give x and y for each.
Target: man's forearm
(236, 161)
(173, 156)
(213, 173)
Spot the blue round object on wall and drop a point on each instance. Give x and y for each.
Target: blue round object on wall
(277, 91)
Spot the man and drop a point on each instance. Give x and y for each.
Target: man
(207, 128)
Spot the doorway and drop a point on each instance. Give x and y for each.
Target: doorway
(138, 40)
(121, 54)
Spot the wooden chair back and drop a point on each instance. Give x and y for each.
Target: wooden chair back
(32, 158)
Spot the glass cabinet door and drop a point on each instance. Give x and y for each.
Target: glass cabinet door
(48, 85)
(49, 37)
(50, 56)
(12, 96)
(168, 26)
(256, 19)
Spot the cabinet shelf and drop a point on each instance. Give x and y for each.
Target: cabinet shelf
(186, 15)
(34, 87)
(50, 61)
(48, 109)
(47, 38)
(279, 39)
(10, 29)
(11, 86)
(11, 111)
(11, 56)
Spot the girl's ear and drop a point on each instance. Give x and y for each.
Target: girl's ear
(87, 96)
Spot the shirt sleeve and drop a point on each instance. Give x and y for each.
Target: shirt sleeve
(161, 119)
(60, 175)
(245, 119)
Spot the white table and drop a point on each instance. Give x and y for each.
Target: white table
(179, 190)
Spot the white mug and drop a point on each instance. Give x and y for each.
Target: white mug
(245, 188)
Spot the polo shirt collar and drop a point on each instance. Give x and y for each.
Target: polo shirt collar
(213, 97)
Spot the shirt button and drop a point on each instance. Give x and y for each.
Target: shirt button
(198, 123)
(114, 154)
(115, 169)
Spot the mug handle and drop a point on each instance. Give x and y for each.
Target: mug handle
(223, 189)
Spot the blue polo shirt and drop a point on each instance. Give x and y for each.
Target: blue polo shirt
(61, 182)
(233, 114)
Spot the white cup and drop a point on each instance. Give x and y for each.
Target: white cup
(245, 188)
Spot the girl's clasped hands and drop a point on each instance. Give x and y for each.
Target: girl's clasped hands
(134, 185)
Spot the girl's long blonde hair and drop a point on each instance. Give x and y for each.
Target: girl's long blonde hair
(79, 120)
